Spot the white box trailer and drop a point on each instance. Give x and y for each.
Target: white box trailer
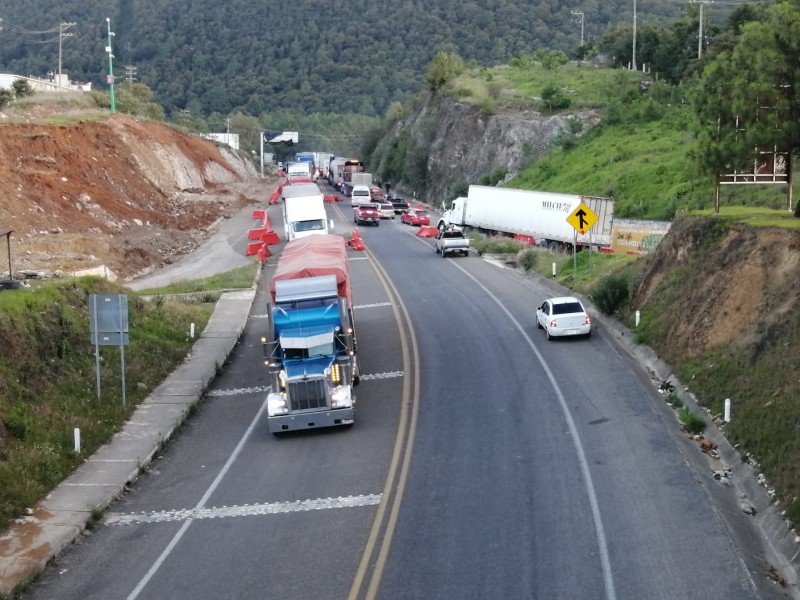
(304, 211)
(361, 179)
(540, 215)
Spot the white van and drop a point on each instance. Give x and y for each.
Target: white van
(360, 195)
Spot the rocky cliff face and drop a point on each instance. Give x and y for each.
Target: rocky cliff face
(114, 192)
(447, 141)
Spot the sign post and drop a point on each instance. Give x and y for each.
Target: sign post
(108, 325)
(582, 219)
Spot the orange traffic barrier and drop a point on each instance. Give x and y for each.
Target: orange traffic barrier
(263, 253)
(331, 198)
(356, 243)
(259, 213)
(269, 238)
(255, 234)
(428, 231)
(253, 249)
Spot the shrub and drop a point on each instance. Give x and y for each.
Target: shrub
(22, 88)
(528, 259)
(493, 178)
(487, 107)
(6, 96)
(691, 422)
(495, 245)
(611, 294)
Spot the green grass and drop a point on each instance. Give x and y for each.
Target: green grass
(47, 379)
(241, 278)
(521, 87)
(756, 216)
(591, 267)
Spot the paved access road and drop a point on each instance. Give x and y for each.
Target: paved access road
(485, 462)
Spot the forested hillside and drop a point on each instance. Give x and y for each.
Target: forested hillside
(357, 57)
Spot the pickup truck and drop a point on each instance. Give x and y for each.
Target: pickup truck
(400, 205)
(451, 240)
(367, 213)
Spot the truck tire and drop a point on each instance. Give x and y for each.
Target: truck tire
(553, 246)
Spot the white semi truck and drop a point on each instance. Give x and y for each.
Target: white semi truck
(541, 216)
(304, 211)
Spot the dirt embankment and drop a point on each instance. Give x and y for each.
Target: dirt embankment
(125, 194)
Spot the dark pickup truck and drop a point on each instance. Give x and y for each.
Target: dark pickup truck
(400, 205)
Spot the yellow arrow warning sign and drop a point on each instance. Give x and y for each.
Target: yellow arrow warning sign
(582, 218)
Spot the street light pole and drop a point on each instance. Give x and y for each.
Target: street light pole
(110, 66)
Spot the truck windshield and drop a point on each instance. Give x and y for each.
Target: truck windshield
(313, 225)
(310, 352)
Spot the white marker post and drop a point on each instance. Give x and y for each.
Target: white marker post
(638, 316)
(554, 269)
(191, 331)
(77, 436)
(727, 410)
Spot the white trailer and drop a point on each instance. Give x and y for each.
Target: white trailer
(336, 168)
(361, 179)
(304, 211)
(539, 215)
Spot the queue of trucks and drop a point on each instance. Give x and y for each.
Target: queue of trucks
(310, 349)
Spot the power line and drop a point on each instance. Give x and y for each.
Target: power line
(18, 29)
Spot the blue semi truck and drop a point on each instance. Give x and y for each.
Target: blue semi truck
(310, 349)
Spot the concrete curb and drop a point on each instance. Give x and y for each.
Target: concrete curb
(57, 521)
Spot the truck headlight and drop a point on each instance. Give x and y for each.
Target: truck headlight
(341, 397)
(276, 405)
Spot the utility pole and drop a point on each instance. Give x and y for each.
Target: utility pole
(110, 79)
(579, 13)
(62, 27)
(633, 59)
(700, 34)
(130, 73)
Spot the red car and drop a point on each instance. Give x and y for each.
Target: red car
(416, 216)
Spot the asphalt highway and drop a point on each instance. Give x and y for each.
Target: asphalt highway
(485, 462)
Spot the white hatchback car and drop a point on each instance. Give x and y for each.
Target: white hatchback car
(564, 316)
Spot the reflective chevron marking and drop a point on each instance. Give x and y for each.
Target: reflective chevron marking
(246, 510)
(237, 391)
(388, 375)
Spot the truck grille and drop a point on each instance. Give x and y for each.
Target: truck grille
(308, 394)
